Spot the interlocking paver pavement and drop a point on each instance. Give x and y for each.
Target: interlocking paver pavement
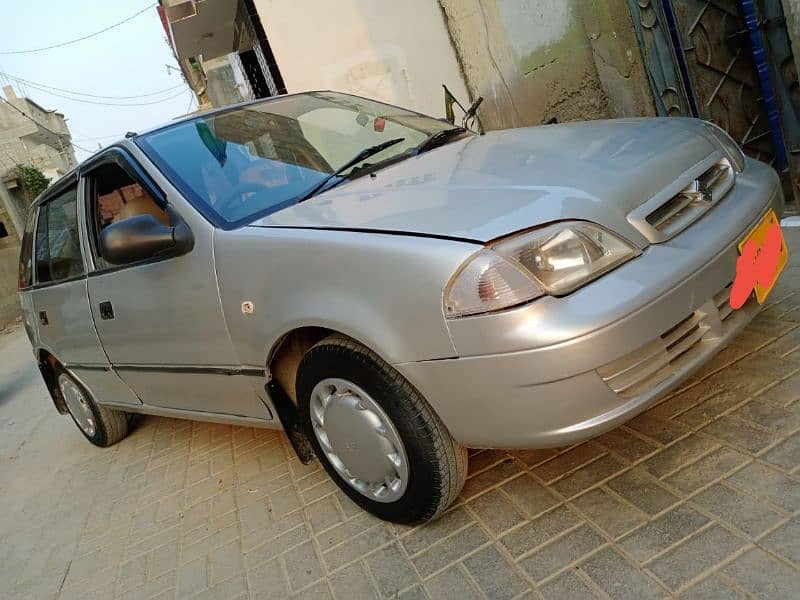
(698, 497)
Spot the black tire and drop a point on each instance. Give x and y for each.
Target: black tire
(437, 463)
(111, 426)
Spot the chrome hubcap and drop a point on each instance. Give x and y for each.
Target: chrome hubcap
(359, 440)
(77, 404)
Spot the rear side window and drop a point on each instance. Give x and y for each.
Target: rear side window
(58, 248)
(26, 252)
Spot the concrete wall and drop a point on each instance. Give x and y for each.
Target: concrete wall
(9, 261)
(398, 52)
(536, 60)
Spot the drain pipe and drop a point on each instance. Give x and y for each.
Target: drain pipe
(767, 90)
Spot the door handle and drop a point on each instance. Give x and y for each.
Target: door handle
(43, 317)
(106, 311)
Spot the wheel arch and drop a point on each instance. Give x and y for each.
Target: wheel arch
(283, 358)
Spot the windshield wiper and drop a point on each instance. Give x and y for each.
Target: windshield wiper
(363, 155)
(438, 138)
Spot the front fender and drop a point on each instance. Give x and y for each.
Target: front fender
(383, 290)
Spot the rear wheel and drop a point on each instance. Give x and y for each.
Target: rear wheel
(100, 425)
(376, 435)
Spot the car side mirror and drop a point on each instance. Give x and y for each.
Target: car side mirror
(142, 237)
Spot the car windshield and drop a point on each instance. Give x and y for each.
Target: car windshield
(238, 165)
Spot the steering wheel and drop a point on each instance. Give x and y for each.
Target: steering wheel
(237, 192)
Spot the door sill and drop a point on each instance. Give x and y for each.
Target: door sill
(194, 415)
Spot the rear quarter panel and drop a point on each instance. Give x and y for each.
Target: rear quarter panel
(385, 291)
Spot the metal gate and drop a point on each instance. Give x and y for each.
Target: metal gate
(700, 60)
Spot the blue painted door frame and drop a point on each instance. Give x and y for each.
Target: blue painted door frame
(728, 61)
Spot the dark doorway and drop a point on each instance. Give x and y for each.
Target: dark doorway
(252, 68)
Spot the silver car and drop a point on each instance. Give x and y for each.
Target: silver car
(386, 287)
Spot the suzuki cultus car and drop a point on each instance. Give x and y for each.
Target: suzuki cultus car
(389, 288)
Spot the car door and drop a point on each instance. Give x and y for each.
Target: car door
(58, 298)
(160, 319)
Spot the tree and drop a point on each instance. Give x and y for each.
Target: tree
(32, 180)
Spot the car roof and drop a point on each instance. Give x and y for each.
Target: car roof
(228, 108)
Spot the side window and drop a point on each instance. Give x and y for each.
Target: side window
(58, 248)
(115, 196)
(26, 251)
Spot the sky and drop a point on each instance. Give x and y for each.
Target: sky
(129, 60)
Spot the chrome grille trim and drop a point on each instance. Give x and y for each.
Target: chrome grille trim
(656, 361)
(673, 210)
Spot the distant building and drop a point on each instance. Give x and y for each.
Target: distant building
(222, 50)
(29, 135)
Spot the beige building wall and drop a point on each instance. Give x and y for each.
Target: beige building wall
(43, 142)
(9, 262)
(398, 52)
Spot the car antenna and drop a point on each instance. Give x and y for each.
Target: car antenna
(131, 134)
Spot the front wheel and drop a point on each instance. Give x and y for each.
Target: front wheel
(376, 435)
(100, 425)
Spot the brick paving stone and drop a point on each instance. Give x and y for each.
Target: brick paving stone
(357, 546)
(663, 431)
(785, 455)
(391, 570)
(267, 581)
(775, 418)
(557, 554)
(540, 530)
(763, 576)
(679, 454)
(704, 471)
(738, 510)
(785, 541)
(710, 408)
(496, 511)
(680, 565)
(568, 585)
(589, 475)
(491, 477)
(533, 497)
(302, 566)
(608, 512)
(317, 591)
(451, 549)
(423, 537)
(643, 491)
(352, 582)
(494, 574)
(452, 583)
(661, 533)
(619, 578)
(740, 433)
(713, 588)
(760, 480)
(624, 443)
(563, 463)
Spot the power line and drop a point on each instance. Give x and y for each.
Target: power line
(100, 103)
(80, 39)
(11, 77)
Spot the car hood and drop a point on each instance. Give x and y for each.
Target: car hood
(484, 187)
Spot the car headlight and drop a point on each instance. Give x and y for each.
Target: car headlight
(554, 260)
(728, 144)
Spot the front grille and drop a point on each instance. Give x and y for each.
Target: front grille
(672, 216)
(657, 361)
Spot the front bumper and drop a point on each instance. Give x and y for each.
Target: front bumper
(562, 370)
